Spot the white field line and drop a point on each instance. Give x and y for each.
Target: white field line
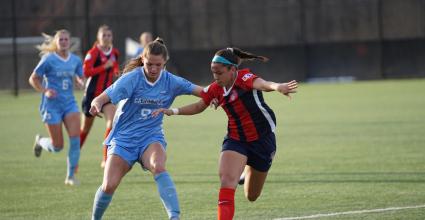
(352, 212)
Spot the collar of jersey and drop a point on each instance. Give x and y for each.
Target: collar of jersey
(227, 92)
(105, 53)
(59, 57)
(147, 81)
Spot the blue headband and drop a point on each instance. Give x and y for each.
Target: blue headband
(220, 59)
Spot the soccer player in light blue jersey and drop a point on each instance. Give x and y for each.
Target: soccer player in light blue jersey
(136, 136)
(54, 78)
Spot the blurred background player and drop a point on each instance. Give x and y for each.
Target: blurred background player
(100, 67)
(136, 136)
(144, 39)
(250, 142)
(54, 78)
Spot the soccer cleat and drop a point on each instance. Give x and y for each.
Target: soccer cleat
(72, 181)
(37, 147)
(175, 218)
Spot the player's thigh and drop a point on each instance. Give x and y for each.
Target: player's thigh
(154, 158)
(55, 133)
(72, 123)
(254, 182)
(231, 166)
(115, 169)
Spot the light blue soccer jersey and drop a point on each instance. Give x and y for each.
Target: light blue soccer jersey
(58, 74)
(136, 98)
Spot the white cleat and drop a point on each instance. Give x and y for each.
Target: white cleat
(72, 181)
(37, 147)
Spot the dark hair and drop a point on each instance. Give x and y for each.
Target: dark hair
(237, 56)
(156, 47)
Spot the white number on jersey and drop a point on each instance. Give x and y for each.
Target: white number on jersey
(145, 113)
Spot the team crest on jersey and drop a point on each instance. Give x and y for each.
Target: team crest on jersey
(88, 57)
(247, 76)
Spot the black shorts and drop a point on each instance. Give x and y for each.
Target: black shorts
(260, 153)
(86, 104)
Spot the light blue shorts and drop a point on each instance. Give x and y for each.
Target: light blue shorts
(134, 154)
(54, 114)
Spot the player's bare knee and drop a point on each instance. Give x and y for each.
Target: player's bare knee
(109, 187)
(228, 180)
(157, 168)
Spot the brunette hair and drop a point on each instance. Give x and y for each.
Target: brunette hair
(156, 47)
(237, 56)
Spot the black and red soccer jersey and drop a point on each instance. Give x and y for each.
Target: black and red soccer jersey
(249, 116)
(99, 78)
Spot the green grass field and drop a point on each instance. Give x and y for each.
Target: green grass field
(341, 147)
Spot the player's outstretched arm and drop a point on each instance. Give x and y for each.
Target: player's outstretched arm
(191, 109)
(268, 86)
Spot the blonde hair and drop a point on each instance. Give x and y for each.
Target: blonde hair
(49, 44)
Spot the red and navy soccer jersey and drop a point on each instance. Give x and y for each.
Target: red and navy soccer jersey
(99, 78)
(249, 116)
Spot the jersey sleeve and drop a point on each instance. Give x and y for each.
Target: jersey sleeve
(79, 68)
(88, 67)
(182, 86)
(207, 94)
(123, 88)
(246, 79)
(116, 67)
(42, 66)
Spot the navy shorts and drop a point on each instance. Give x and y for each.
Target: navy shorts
(260, 153)
(86, 105)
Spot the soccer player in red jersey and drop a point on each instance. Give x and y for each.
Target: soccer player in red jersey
(100, 67)
(250, 143)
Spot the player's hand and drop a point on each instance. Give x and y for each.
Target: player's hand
(80, 82)
(108, 64)
(288, 88)
(95, 109)
(214, 103)
(50, 93)
(162, 110)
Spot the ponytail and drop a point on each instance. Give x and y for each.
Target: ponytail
(132, 64)
(235, 56)
(243, 55)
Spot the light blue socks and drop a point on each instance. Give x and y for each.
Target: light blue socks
(167, 192)
(101, 202)
(73, 155)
